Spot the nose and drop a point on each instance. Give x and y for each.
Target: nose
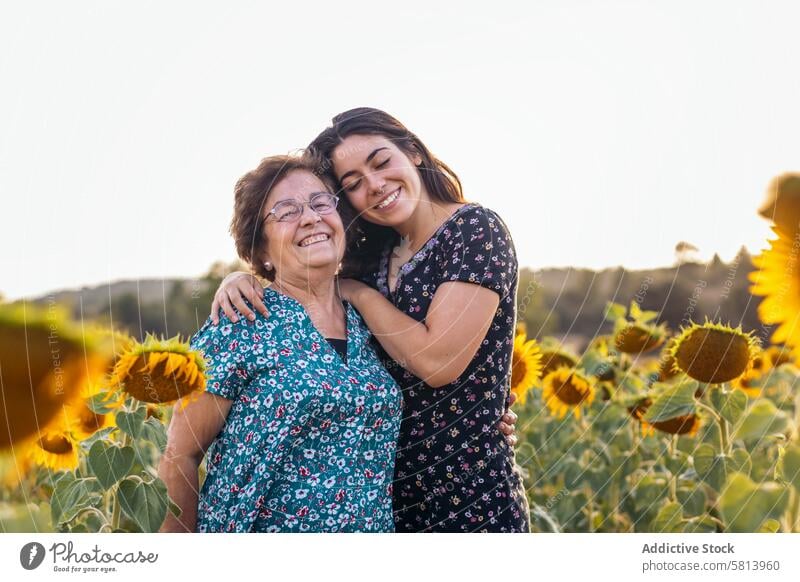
(309, 216)
(375, 183)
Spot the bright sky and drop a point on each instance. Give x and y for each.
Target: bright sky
(603, 132)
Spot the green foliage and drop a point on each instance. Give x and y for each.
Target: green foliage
(673, 401)
(603, 474)
(746, 505)
(145, 502)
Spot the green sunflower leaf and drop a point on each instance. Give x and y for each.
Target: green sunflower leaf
(677, 400)
(146, 503)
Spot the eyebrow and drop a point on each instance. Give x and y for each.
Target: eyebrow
(372, 154)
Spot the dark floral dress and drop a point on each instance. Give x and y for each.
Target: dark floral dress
(454, 471)
(309, 442)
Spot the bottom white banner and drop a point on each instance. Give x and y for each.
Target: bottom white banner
(355, 557)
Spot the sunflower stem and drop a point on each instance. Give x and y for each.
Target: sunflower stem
(117, 514)
(590, 510)
(673, 479)
(794, 510)
(724, 439)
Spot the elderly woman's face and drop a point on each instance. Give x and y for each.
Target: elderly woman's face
(313, 239)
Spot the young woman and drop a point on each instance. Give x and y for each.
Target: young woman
(435, 279)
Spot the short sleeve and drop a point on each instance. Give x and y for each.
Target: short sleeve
(224, 351)
(477, 248)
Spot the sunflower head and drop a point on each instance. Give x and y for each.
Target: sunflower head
(777, 279)
(666, 362)
(634, 331)
(637, 410)
(526, 366)
(749, 383)
(554, 358)
(55, 449)
(636, 338)
(713, 353)
(567, 390)
(782, 202)
(761, 362)
(779, 355)
(685, 424)
(46, 361)
(83, 419)
(160, 371)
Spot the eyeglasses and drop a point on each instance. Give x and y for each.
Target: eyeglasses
(292, 210)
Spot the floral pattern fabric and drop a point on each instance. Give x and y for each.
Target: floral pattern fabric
(454, 470)
(309, 443)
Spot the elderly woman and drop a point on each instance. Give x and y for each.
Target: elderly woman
(300, 419)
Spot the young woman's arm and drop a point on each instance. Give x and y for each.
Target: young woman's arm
(232, 292)
(439, 349)
(191, 432)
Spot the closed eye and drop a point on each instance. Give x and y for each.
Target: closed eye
(384, 162)
(352, 186)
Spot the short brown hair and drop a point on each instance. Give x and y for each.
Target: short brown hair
(250, 196)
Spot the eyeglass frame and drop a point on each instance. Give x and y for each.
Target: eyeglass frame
(302, 205)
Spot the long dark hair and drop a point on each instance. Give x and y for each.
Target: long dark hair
(365, 240)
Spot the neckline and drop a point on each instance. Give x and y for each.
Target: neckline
(383, 268)
(349, 315)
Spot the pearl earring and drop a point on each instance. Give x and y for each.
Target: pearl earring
(267, 265)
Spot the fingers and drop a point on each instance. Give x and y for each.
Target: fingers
(256, 298)
(240, 304)
(227, 307)
(505, 428)
(510, 417)
(512, 398)
(511, 440)
(215, 310)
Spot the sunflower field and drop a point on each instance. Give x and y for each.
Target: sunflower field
(652, 431)
(647, 429)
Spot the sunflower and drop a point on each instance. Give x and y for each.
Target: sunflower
(637, 411)
(15, 467)
(46, 360)
(779, 355)
(685, 424)
(526, 366)
(55, 449)
(782, 203)
(713, 353)
(666, 363)
(82, 421)
(160, 371)
(635, 338)
(567, 390)
(554, 358)
(749, 383)
(777, 279)
(603, 369)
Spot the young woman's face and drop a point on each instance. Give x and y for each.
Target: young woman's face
(309, 241)
(379, 179)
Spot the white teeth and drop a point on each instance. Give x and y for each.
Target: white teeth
(310, 240)
(388, 200)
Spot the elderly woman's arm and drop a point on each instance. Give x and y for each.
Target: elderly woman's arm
(191, 432)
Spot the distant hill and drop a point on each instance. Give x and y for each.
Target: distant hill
(564, 302)
(96, 298)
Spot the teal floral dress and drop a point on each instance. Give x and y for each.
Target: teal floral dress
(309, 443)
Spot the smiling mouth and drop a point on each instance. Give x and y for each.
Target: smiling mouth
(313, 239)
(388, 200)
